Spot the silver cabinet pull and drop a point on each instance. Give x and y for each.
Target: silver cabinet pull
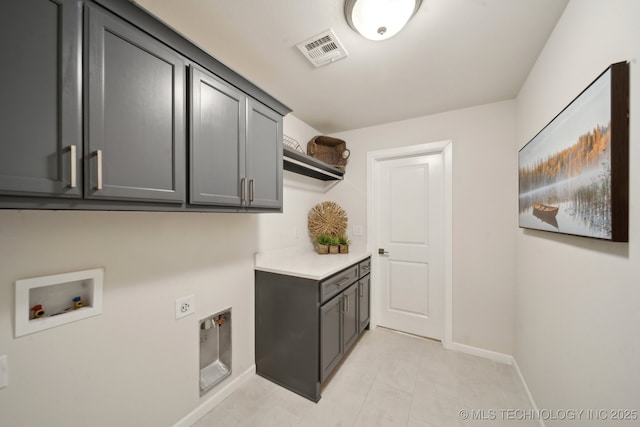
(252, 190)
(242, 190)
(346, 304)
(73, 181)
(343, 281)
(361, 291)
(99, 169)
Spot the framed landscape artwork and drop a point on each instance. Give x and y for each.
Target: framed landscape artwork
(573, 175)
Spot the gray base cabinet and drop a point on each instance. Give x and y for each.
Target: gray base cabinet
(339, 329)
(287, 325)
(364, 287)
(351, 324)
(331, 336)
(305, 327)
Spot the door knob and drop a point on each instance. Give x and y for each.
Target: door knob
(381, 251)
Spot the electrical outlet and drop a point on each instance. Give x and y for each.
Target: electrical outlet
(185, 306)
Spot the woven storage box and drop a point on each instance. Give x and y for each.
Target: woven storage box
(329, 150)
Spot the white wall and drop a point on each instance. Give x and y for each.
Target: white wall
(134, 365)
(289, 229)
(578, 299)
(484, 210)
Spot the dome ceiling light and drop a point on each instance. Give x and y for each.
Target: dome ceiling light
(379, 19)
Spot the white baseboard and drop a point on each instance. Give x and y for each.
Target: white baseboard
(206, 406)
(496, 357)
(481, 352)
(526, 388)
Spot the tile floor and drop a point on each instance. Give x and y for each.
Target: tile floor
(388, 379)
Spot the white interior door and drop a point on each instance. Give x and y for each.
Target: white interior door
(410, 230)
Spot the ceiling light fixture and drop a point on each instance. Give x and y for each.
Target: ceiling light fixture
(379, 19)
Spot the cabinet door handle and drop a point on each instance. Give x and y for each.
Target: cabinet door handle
(361, 291)
(242, 190)
(346, 304)
(343, 281)
(252, 190)
(99, 169)
(72, 154)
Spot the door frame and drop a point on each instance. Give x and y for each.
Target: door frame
(373, 161)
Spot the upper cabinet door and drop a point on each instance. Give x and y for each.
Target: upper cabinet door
(264, 156)
(218, 133)
(40, 109)
(134, 113)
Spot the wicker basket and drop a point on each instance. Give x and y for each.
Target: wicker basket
(329, 150)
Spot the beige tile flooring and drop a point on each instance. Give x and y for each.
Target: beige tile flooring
(388, 379)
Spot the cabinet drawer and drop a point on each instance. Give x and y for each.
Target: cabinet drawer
(335, 284)
(365, 267)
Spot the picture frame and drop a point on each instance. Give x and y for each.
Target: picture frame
(573, 176)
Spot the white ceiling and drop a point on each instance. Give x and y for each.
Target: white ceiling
(452, 54)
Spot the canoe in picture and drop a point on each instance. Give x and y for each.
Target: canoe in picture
(546, 213)
(544, 210)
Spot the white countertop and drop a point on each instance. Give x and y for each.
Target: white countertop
(308, 265)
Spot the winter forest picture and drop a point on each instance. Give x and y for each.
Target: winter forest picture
(573, 175)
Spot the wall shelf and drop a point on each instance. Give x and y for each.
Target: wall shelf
(297, 162)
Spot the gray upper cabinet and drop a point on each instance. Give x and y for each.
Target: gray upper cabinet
(264, 150)
(94, 116)
(236, 146)
(218, 133)
(134, 113)
(40, 84)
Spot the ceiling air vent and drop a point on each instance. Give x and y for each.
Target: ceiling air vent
(323, 49)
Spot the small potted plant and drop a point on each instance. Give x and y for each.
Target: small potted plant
(334, 245)
(322, 244)
(344, 244)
